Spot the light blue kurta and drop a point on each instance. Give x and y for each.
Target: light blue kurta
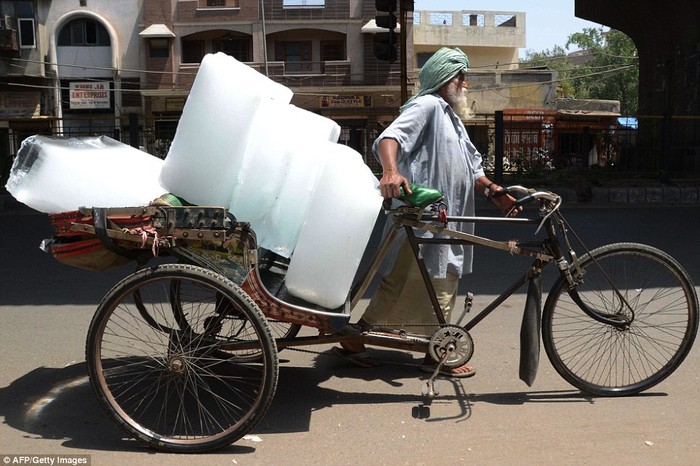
(435, 151)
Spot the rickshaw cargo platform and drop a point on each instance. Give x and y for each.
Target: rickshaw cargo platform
(101, 238)
(209, 237)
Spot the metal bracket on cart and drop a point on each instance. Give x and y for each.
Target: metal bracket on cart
(173, 223)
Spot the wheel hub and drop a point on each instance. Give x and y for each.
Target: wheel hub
(177, 364)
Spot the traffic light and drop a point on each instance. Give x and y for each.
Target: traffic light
(384, 43)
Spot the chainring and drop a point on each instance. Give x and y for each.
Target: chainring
(454, 340)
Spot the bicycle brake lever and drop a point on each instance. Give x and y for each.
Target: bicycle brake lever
(500, 193)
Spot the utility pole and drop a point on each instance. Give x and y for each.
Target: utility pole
(404, 54)
(264, 38)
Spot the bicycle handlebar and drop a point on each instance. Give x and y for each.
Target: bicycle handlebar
(530, 195)
(550, 204)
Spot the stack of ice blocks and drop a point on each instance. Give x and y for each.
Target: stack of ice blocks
(240, 144)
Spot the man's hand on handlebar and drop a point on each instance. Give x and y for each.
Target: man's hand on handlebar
(506, 203)
(391, 183)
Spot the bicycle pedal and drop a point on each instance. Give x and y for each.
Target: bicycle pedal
(430, 388)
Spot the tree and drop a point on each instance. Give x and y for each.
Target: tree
(606, 67)
(555, 59)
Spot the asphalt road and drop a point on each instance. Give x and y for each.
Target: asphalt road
(327, 412)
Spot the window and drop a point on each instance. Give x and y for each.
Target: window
(159, 47)
(19, 15)
(416, 17)
(473, 19)
(237, 47)
(332, 50)
(303, 3)
(192, 51)
(440, 19)
(295, 55)
(505, 21)
(423, 57)
(218, 4)
(131, 95)
(84, 33)
(17, 8)
(27, 40)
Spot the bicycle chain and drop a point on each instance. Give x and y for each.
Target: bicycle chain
(335, 356)
(381, 325)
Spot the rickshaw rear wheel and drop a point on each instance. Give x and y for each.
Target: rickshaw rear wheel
(169, 357)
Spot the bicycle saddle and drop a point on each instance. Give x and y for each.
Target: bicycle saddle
(421, 196)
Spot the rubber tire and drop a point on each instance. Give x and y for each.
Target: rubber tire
(603, 360)
(181, 390)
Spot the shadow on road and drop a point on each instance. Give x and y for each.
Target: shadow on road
(58, 403)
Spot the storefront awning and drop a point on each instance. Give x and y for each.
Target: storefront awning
(164, 92)
(372, 28)
(587, 115)
(155, 31)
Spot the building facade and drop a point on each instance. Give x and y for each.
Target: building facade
(320, 49)
(80, 67)
(76, 69)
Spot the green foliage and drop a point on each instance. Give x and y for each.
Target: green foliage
(605, 67)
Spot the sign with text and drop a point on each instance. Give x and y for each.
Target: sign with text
(20, 104)
(345, 101)
(89, 95)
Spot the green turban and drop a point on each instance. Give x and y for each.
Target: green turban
(440, 68)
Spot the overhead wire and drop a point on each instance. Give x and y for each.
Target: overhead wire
(605, 70)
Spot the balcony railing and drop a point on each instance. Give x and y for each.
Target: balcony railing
(291, 74)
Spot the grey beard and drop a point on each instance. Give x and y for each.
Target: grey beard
(461, 107)
(459, 104)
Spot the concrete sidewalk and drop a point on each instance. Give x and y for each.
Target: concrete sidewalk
(647, 195)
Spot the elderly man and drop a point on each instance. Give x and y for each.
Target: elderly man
(428, 145)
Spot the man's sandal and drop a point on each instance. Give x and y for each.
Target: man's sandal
(449, 372)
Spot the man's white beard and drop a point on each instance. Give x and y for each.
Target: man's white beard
(459, 103)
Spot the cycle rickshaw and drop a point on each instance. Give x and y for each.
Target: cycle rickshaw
(184, 356)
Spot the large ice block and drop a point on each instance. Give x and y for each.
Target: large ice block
(278, 172)
(279, 228)
(335, 233)
(264, 163)
(206, 155)
(55, 175)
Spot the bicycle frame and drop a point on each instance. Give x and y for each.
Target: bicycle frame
(405, 222)
(189, 328)
(332, 324)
